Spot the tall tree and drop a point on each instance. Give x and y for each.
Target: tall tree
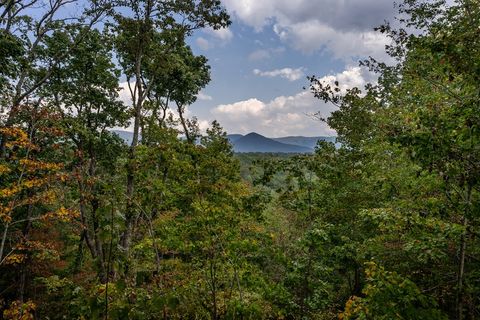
(146, 35)
(83, 89)
(26, 26)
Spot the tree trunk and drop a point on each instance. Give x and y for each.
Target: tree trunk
(4, 238)
(461, 272)
(357, 287)
(461, 264)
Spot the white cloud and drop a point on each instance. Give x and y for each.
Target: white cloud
(267, 53)
(223, 34)
(342, 15)
(286, 73)
(350, 78)
(313, 36)
(258, 55)
(242, 109)
(202, 43)
(204, 97)
(214, 38)
(342, 27)
(286, 115)
(124, 93)
(203, 125)
(283, 115)
(280, 117)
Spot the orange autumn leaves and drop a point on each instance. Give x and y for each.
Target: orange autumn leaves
(20, 310)
(27, 181)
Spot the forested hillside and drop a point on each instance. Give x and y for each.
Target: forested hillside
(384, 224)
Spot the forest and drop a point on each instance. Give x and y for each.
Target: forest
(384, 224)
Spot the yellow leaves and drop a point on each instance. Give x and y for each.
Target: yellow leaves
(5, 214)
(30, 245)
(47, 197)
(35, 250)
(13, 190)
(65, 214)
(352, 308)
(23, 174)
(35, 165)
(35, 182)
(9, 192)
(4, 169)
(16, 133)
(63, 177)
(20, 311)
(15, 258)
(18, 138)
(371, 269)
(62, 214)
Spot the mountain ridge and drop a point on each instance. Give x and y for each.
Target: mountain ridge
(255, 142)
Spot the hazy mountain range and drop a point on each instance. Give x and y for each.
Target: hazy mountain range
(254, 142)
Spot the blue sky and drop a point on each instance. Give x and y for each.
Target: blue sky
(259, 65)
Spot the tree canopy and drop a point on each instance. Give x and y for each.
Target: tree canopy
(382, 225)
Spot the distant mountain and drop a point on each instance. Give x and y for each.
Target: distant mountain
(254, 142)
(309, 142)
(234, 137)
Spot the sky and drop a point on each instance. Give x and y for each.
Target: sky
(260, 63)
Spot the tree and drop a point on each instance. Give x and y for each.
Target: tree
(145, 38)
(422, 111)
(28, 62)
(84, 91)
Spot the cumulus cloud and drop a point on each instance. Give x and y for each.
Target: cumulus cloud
(342, 27)
(124, 93)
(241, 110)
(286, 115)
(341, 15)
(264, 54)
(312, 36)
(349, 78)
(286, 73)
(258, 55)
(212, 38)
(281, 116)
(202, 43)
(204, 97)
(223, 34)
(203, 126)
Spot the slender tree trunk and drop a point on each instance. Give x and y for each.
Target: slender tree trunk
(461, 272)
(4, 238)
(184, 123)
(131, 166)
(141, 94)
(357, 287)
(22, 280)
(461, 264)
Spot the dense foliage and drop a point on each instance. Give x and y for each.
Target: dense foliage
(382, 225)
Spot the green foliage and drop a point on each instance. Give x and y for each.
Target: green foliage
(382, 225)
(390, 296)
